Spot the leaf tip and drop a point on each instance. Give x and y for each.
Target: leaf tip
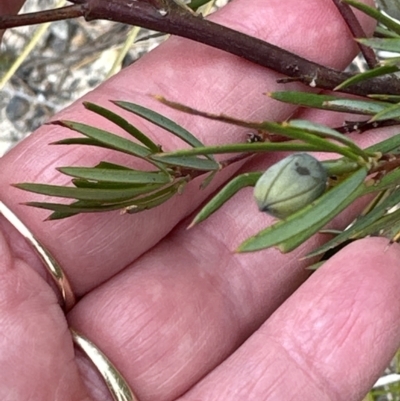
(192, 224)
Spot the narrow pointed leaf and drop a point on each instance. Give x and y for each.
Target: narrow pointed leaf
(243, 148)
(117, 176)
(326, 132)
(162, 122)
(82, 183)
(391, 112)
(81, 141)
(376, 72)
(124, 124)
(388, 98)
(104, 195)
(365, 107)
(107, 138)
(327, 102)
(391, 144)
(190, 162)
(230, 189)
(152, 201)
(71, 209)
(309, 220)
(361, 224)
(207, 181)
(389, 181)
(313, 100)
(386, 33)
(389, 45)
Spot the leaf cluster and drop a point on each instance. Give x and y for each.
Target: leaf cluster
(358, 172)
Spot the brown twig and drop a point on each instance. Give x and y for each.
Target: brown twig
(57, 14)
(167, 16)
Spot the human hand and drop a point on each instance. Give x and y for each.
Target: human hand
(179, 314)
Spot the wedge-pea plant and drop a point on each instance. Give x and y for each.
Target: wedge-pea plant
(358, 172)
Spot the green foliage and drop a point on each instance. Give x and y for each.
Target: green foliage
(356, 173)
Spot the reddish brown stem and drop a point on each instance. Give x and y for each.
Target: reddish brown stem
(167, 16)
(357, 32)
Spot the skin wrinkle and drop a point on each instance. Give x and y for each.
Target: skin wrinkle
(317, 387)
(218, 283)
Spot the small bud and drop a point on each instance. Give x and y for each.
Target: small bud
(290, 184)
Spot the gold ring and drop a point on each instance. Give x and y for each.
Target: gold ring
(115, 382)
(53, 267)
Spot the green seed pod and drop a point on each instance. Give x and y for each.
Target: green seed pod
(290, 184)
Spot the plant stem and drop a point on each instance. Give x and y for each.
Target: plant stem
(167, 16)
(357, 31)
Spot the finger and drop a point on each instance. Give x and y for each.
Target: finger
(330, 340)
(181, 309)
(37, 355)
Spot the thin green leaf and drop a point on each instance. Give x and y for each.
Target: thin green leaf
(374, 13)
(382, 31)
(141, 202)
(242, 148)
(154, 200)
(124, 124)
(103, 195)
(206, 182)
(306, 222)
(390, 113)
(388, 182)
(190, 162)
(81, 141)
(389, 45)
(112, 166)
(364, 76)
(327, 102)
(356, 106)
(387, 98)
(391, 144)
(82, 183)
(358, 229)
(162, 122)
(326, 132)
(99, 137)
(71, 209)
(230, 189)
(112, 141)
(117, 176)
(312, 100)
